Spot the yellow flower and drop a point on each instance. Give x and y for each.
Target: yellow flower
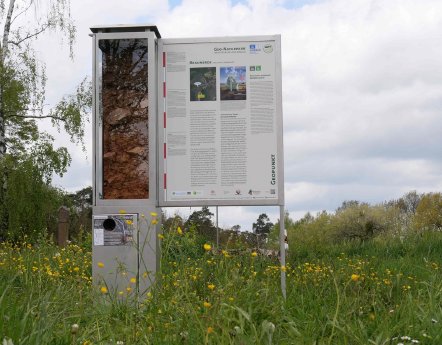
(103, 289)
(207, 247)
(133, 280)
(254, 254)
(154, 221)
(100, 264)
(179, 231)
(128, 289)
(160, 236)
(231, 299)
(283, 268)
(210, 330)
(207, 304)
(129, 222)
(145, 274)
(153, 214)
(355, 277)
(76, 269)
(211, 287)
(122, 211)
(120, 292)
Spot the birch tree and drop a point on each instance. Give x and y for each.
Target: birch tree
(22, 92)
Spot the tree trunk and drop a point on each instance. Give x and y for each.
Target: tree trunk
(4, 175)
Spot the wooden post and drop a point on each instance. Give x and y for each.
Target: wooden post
(63, 226)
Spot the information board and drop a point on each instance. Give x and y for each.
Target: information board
(220, 121)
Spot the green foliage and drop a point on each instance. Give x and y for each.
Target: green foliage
(263, 225)
(32, 202)
(201, 221)
(376, 292)
(429, 213)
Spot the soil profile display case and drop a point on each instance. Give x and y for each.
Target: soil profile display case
(124, 114)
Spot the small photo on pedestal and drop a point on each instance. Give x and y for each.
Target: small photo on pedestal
(203, 84)
(233, 83)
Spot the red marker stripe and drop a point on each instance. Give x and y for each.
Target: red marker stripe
(164, 119)
(164, 89)
(165, 151)
(164, 59)
(165, 180)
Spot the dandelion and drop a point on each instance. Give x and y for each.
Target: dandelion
(133, 280)
(210, 330)
(254, 254)
(207, 247)
(122, 211)
(283, 268)
(355, 277)
(103, 289)
(100, 264)
(128, 289)
(129, 222)
(211, 287)
(154, 221)
(179, 231)
(160, 236)
(153, 214)
(207, 304)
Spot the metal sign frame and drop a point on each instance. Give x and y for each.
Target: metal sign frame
(162, 168)
(98, 128)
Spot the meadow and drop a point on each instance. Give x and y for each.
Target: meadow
(373, 292)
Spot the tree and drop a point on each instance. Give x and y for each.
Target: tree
(22, 93)
(263, 225)
(429, 213)
(202, 221)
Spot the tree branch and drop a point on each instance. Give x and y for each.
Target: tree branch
(36, 33)
(20, 13)
(38, 117)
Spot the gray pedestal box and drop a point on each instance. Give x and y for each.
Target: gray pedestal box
(125, 213)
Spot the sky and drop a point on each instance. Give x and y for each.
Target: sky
(361, 81)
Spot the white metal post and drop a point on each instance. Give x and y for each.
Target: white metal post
(282, 250)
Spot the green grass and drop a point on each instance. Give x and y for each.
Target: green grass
(371, 293)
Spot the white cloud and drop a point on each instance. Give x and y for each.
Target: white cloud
(362, 90)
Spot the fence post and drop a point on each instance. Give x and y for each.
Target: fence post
(63, 226)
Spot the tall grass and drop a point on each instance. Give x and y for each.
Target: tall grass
(378, 292)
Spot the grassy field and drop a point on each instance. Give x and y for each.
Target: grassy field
(379, 292)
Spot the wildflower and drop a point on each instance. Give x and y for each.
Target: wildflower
(179, 231)
(100, 264)
(283, 268)
(76, 269)
(129, 222)
(207, 304)
(145, 274)
(211, 286)
(153, 214)
(120, 292)
(210, 330)
(122, 211)
(154, 221)
(207, 247)
(74, 328)
(128, 289)
(355, 277)
(160, 236)
(133, 280)
(254, 254)
(231, 299)
(103, 289)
